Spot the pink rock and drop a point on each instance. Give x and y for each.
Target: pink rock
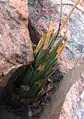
(72, 101)
(15, 45)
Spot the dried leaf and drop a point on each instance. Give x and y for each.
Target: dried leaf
(49, 33)
(60, 49)
(41, 67)
(41, 42)
(50, 86)
(68, 17)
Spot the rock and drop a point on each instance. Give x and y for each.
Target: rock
(66, 100)
(72, 104)
(66, 65)
(41, 13)
(29, 113)
(34, 35)
(15, 45)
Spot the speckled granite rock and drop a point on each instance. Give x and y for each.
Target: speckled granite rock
(15, 45)
(42, 11)
(68, 101)
(73, 107)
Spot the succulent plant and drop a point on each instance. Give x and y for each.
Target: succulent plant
(46, 54)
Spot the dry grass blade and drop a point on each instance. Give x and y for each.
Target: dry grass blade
(65, 22)
(60, 49)
(41, 42)
(49, 33)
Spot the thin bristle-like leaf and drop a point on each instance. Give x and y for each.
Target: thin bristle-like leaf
(60, 49)
(41, 42)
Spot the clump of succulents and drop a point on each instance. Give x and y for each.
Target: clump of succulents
(36, 81)
(37, 78)
(46, 54)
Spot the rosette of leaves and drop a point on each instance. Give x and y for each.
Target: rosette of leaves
(36, 80)
(46, 54)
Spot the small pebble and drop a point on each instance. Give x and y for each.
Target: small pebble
(42, 103)
(30, 113)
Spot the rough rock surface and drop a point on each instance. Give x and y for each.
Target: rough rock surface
(42, 11)
(73, 107)
(68, 97)
(15, 45)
